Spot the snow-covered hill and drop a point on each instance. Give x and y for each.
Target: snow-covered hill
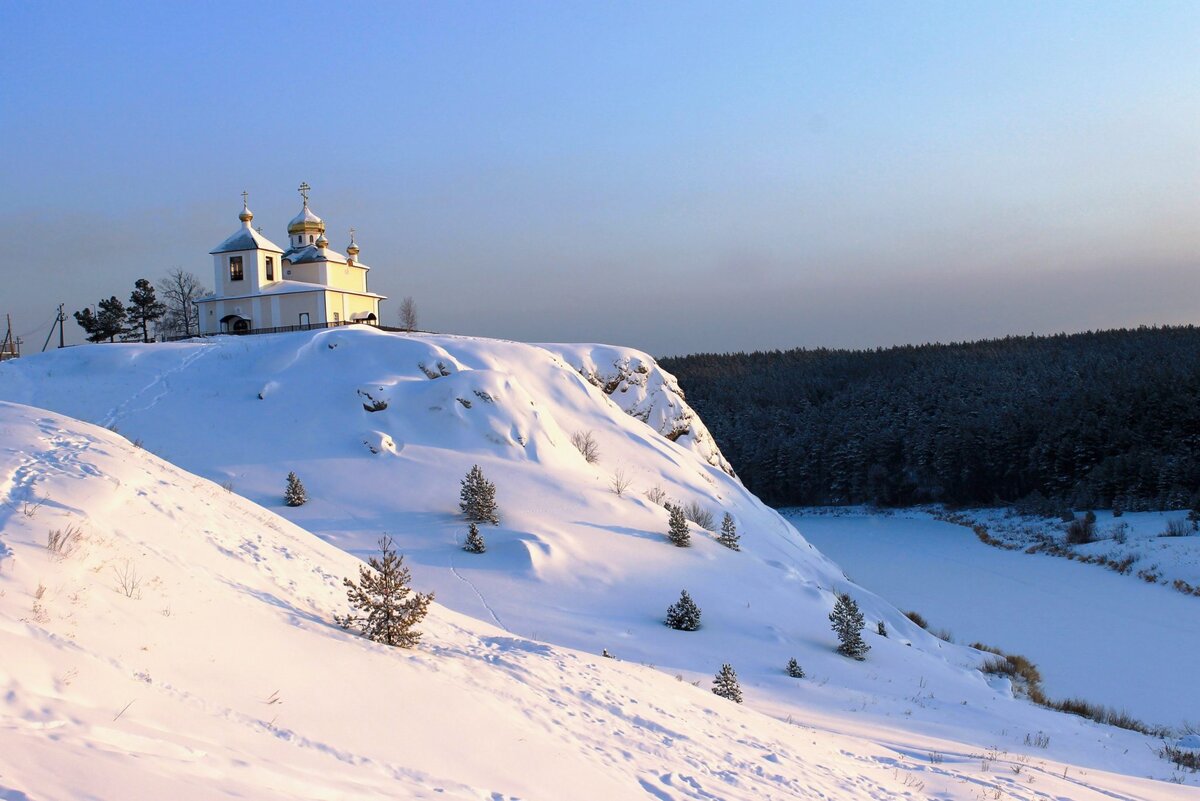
(179, 646)
(381, 427)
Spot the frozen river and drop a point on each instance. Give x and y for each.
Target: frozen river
(1094, 634)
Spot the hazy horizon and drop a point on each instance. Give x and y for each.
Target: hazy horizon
(677, 178)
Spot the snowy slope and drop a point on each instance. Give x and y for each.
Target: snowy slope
(180, 648)
(572, 563)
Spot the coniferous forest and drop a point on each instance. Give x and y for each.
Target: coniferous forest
(1100, 419)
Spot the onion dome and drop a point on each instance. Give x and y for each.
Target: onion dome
(322, 242)
(352, 248)
(246, 216)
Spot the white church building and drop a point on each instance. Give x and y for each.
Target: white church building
(260, 285)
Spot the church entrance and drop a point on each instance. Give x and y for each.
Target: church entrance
(235, 324)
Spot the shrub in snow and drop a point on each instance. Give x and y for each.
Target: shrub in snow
(881, 629)
(294, 494)
(725, 684)
(585, 443)
(477, 499)
(1177, 528)
(794, 670)
(1120, 532)
(389, 607)
(475, 543)
(847, 623)
(1117, 510)
(606, 654)
(729, 536)
(684, 615)
(917, 617)
(1082, 531)
(1194, 518)
(677, 531)
(698, 515)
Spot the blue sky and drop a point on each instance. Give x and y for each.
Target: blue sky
(673, 176)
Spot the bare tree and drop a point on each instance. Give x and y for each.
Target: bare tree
(408, 314)
(180, 291)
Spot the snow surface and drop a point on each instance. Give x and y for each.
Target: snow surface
(1093, 633)
(572, 566)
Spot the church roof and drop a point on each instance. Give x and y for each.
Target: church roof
(290, 288)
(246, 238)
(305, 220)
(311, 253)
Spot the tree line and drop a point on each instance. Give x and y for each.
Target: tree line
(1099, 419)
(145, 317)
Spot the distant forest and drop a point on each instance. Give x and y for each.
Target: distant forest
(1093, 420)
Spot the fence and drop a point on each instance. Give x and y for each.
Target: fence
(286, 329)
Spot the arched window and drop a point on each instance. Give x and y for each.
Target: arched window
(235, 268)
(310, 239)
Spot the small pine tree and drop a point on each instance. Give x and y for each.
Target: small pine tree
(606, 654)
(678, 532)
(729, 536)
(725, 684)
(294, 494)
(475, 543)
(477, 499)
(882, 629)
(794, 670)
(1193, 516)
(847, 623)
(391, 607)
(684, 615)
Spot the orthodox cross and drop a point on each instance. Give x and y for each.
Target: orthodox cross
(304, 187)
(351, 234)
(245, 202)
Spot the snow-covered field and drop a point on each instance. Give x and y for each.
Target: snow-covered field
(505, 695)
(1108, 638)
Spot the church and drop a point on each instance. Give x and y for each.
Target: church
(258, 285)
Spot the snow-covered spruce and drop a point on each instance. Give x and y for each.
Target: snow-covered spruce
(477, 498)
(391, 607)
(847, 622)
(677, 527)
(725, 684)
(881, 629)
(683, 615)
(729, 536)
(475, 543)
(294, 494)
(793, 669)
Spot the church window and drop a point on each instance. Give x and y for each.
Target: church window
(337, 318)
(270, 268)
(310, 239)
(235, 268)
(304, 318)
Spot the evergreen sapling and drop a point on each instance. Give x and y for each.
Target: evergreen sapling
(294, 494)
(677, 531)
(684, 615)
(391, 608)
(475, 543)
(725, 684)
(477, 498)
(729, 536)
(794, 670)
(847, 623)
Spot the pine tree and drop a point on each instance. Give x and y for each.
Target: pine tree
(606, 654)
(294, 494)
(678, 532)
(143, 310)
(729, 536)
(475, 543)
(391, 607)
(107, 323)
(725, 684)
(794, 670)
(684, 615)
(881, 629)
(477, 499)
(847, 623)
